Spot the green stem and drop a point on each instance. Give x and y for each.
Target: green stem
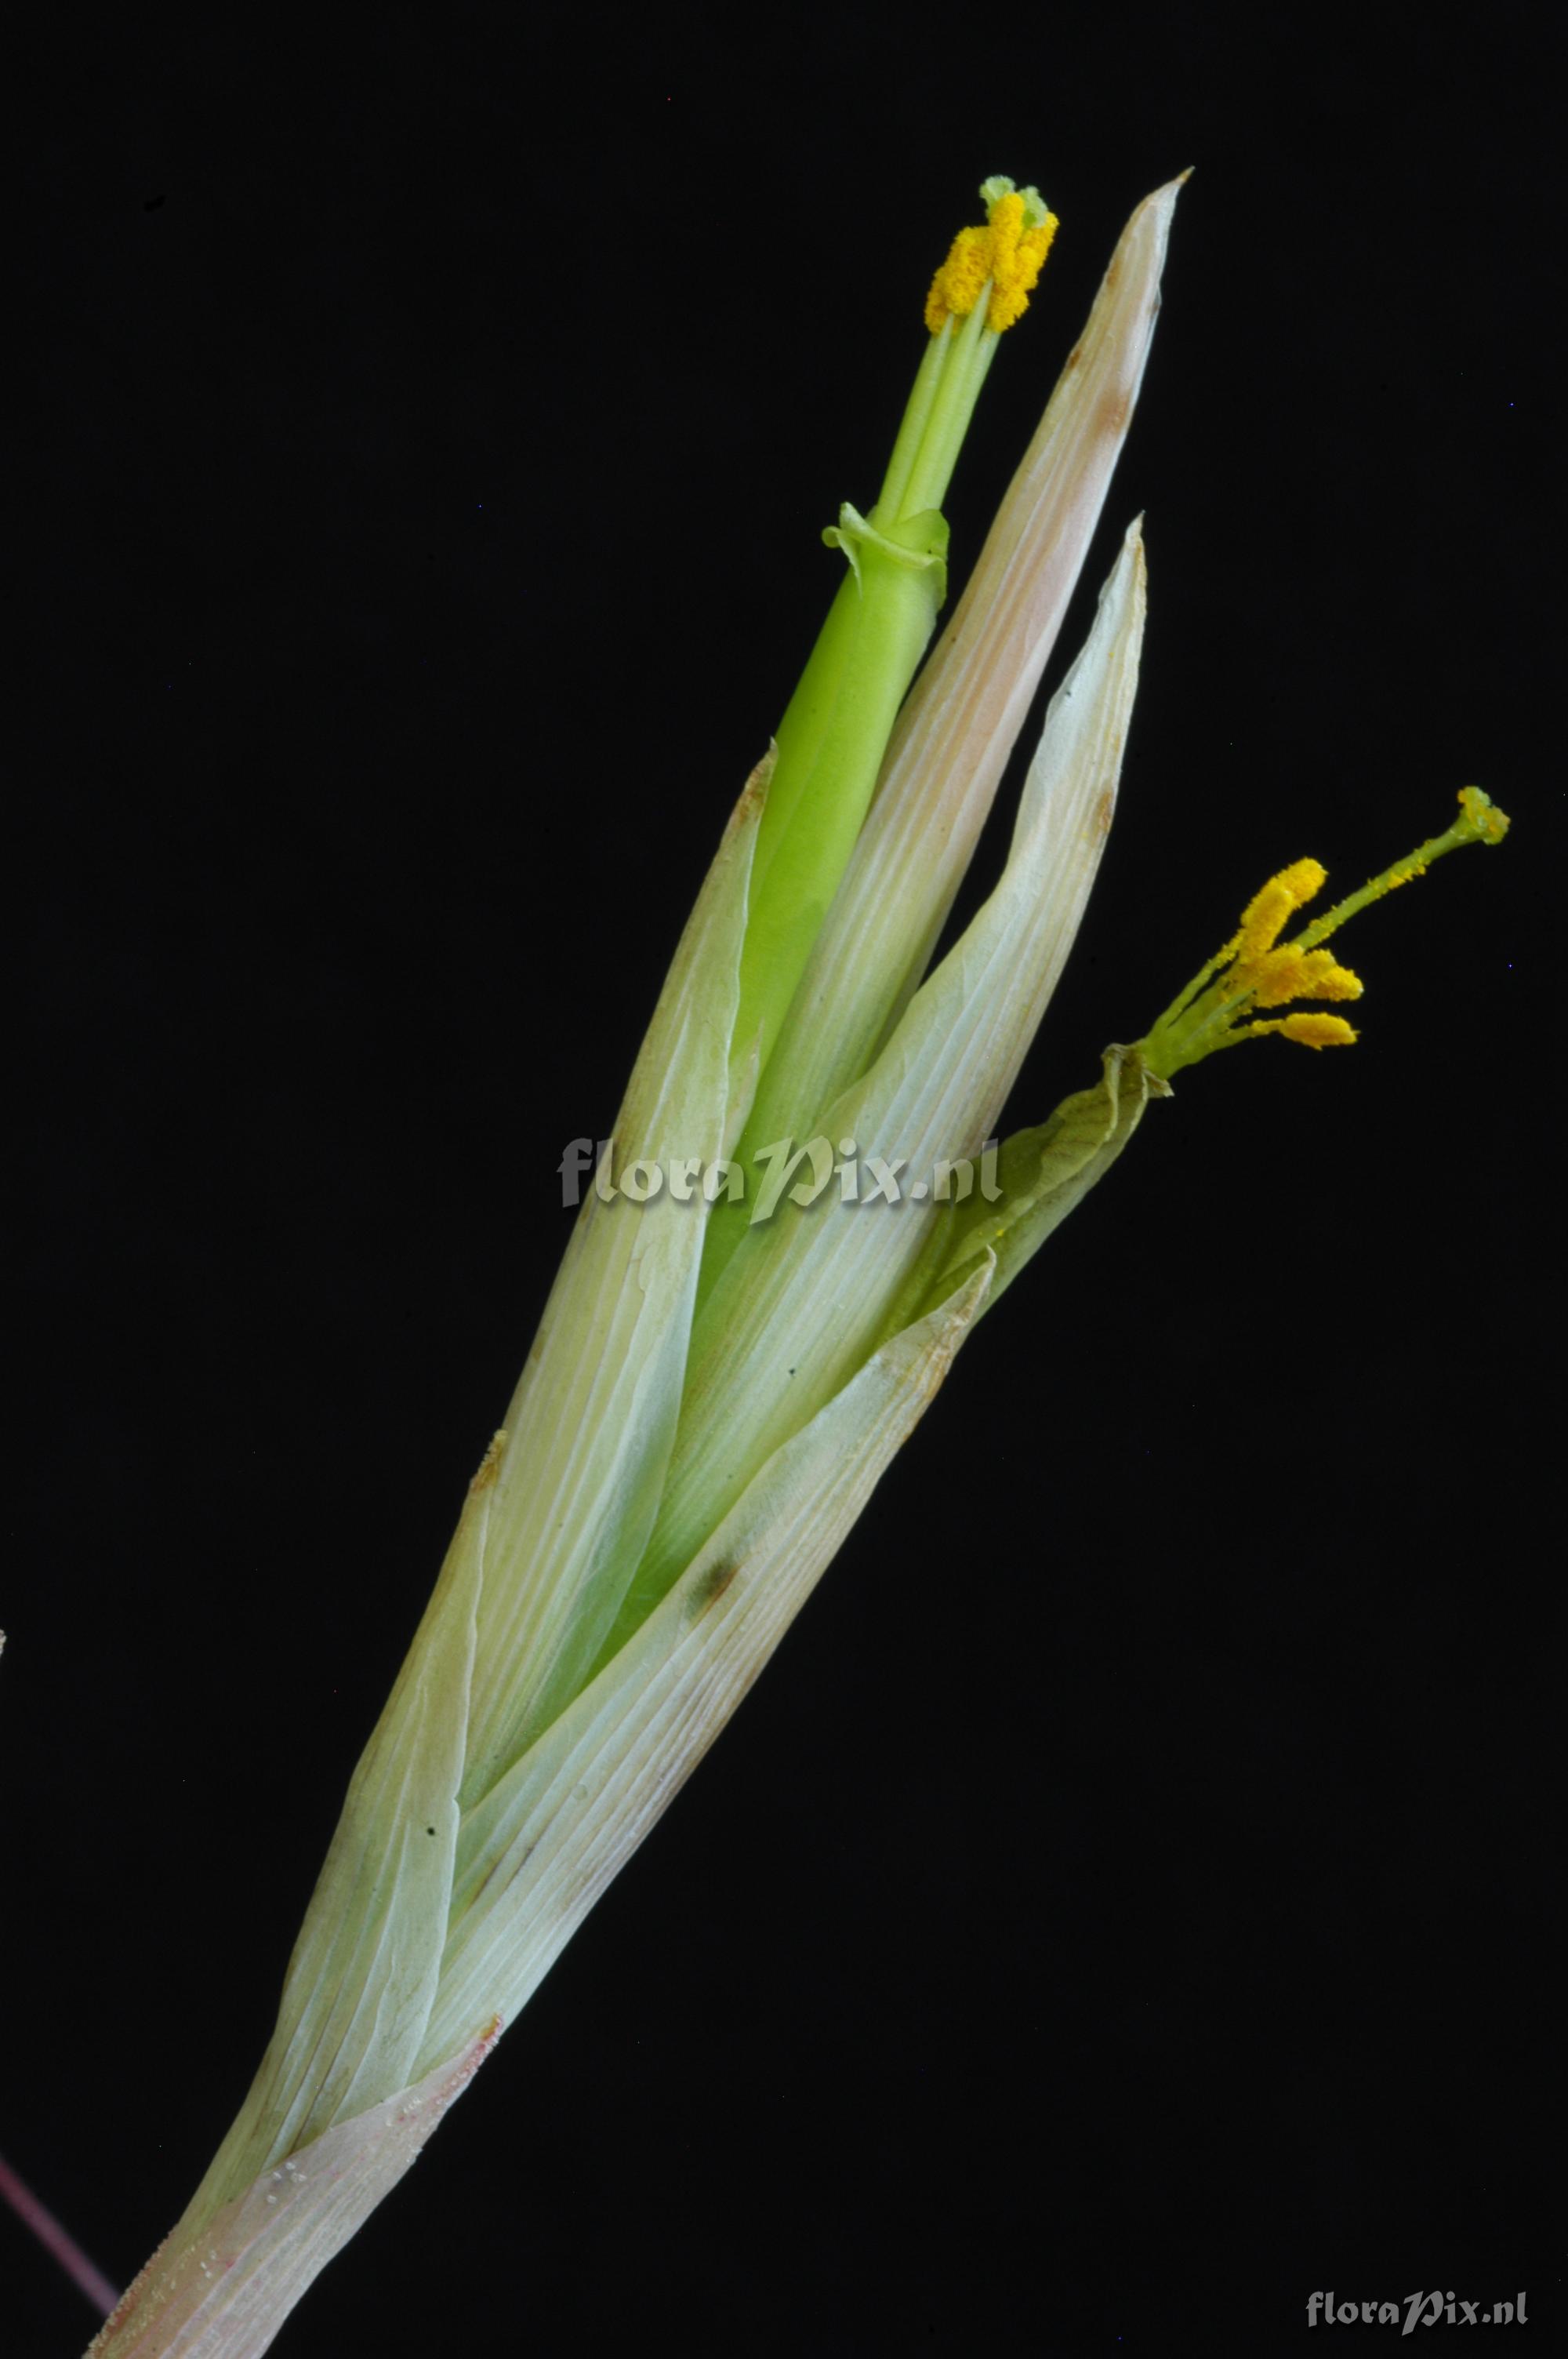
(1486, 824)
(835, 732)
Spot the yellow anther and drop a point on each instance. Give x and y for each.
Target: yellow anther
(1273, 903)
(1291, 973)
(956, 289)
(1262, 920)
(1303, 879)
(1313, 1030)
(1007, 253)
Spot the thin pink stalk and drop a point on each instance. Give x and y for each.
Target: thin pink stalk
(57, 2240)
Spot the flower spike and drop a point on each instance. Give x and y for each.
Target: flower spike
(713, 1392)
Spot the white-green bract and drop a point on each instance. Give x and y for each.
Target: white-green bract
(711, 1399)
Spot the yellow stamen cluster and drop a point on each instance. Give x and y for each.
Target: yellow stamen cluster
(1291, 971)
(1255, 969)
(1006, 254)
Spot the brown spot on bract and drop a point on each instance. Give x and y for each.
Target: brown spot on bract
(1115, 409)
(1104, 811)
(711, 1585)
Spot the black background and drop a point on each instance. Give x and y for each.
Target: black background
(1122, 1908)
